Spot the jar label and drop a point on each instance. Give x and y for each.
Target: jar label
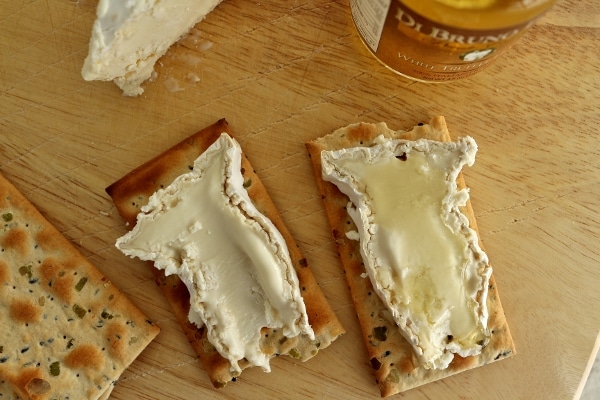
(369, 17)
(417, 47)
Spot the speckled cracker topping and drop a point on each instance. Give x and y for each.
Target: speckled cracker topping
(71, 332)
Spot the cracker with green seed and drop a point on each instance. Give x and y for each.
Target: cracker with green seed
(7, 392)
(67, 332)
(132, 191)
(395, 367)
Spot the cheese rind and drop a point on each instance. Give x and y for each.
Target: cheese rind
(129, 36)
(419, 252)
(235, 263)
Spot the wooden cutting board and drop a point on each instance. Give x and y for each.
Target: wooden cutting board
(283, 73)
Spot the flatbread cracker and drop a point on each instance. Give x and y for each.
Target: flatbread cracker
(132, 191)
(394, 364)
(72, 333)
(7, 392)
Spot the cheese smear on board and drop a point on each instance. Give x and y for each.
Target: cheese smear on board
(419, 252)
(233, 260)
(129, 36)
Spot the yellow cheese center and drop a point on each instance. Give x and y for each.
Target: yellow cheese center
(415, 242)
(421, 257)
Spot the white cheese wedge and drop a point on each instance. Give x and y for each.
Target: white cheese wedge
(233, 260)
(423, 260)
(129, 36)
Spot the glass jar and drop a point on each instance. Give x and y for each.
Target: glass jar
(442, 40)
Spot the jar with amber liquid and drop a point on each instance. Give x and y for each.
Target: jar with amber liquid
(442, 40)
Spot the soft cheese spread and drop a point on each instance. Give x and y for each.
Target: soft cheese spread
(235, 263)
(129, 36)
(419, 252)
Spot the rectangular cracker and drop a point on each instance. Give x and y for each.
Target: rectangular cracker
(72, 333)
(132, 191)
(394, 365)
(7, 392)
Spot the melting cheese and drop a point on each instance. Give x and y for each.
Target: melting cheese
(420, 254)
(235, 263)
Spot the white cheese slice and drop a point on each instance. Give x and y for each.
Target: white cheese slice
(419, 252)
(235, 263)
(129, 36)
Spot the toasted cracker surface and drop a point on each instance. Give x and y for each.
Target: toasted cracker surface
(132, 191)
(68, 333)
(395, 367)
(7, 392)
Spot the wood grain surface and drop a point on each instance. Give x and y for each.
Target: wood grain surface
(285, 72)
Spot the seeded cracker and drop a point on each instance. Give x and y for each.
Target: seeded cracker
(394, 364)
(71, 333)
(132, 191)
(7, 392)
